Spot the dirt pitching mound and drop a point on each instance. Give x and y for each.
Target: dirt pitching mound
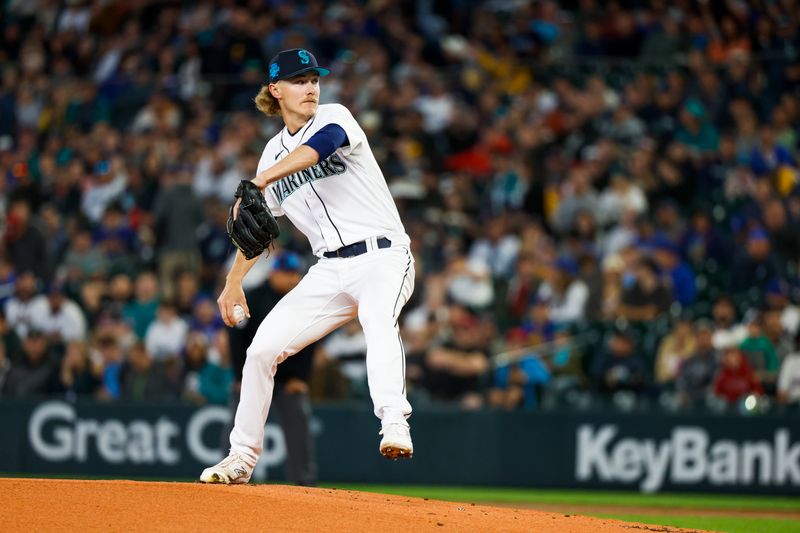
(77, 505)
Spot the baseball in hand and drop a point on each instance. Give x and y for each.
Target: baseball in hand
(238, 315)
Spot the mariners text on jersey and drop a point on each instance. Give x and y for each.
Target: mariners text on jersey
(340, 200)
(331, 166)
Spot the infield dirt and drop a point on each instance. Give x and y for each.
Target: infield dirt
(80, 505)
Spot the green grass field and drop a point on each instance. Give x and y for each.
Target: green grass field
(698, 511)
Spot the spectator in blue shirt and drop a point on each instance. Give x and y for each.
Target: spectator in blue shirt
(682, 278)
(768, 156)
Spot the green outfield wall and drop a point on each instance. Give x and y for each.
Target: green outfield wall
(645, 452)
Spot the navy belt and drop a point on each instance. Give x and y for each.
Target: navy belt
(357, 248)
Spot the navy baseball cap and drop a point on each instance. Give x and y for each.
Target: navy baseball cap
(290, 63)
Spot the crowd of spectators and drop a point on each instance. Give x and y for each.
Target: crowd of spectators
(606, 192)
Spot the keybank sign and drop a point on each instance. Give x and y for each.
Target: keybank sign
(56, 433)
(689, 456)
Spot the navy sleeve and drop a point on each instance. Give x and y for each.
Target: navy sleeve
(327, 140)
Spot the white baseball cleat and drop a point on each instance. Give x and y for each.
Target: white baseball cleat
(396, 442)
(232, 469)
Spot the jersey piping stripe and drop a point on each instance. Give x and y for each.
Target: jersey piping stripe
(315, 220)
(308, 127)
(402, 359)
(327, 214)
(284, 146)
(286, 129)
(397, 299)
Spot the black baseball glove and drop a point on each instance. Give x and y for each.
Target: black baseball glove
(254, 228)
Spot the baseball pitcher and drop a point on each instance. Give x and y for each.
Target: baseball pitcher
(318, 171)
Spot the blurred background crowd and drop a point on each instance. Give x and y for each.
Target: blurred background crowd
(603, 197)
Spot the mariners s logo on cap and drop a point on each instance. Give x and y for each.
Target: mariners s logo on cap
(294, 62)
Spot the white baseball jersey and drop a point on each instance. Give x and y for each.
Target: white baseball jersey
(339, 201)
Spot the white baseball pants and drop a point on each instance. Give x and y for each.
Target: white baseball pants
(373, 286)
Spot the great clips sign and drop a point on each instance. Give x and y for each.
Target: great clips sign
(146, 441)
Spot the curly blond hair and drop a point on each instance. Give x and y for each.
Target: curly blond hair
(266, 103)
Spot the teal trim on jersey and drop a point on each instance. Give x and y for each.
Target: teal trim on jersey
(326, 168)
